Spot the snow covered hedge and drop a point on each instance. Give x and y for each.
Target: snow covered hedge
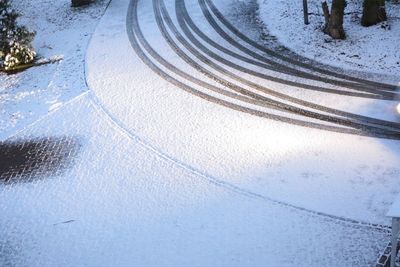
(15, 41)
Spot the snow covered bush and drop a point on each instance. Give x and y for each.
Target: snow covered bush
(19, 54)
(15, 41)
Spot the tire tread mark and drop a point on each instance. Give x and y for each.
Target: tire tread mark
(208, 3)
(132, 20)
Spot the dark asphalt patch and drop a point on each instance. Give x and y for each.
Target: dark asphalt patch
(25, 160)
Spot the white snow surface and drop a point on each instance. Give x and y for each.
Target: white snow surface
(373, 49)
(122, 204)
(356, 177)
(62, 32)
(165, 178)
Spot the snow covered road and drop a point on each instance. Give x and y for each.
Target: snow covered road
(231, 178)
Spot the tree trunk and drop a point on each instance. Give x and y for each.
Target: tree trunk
(76, 3)
(334, 21)
(373, 12)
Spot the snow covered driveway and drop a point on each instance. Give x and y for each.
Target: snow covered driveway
(122, 204)
(187, 159)
(182, 112)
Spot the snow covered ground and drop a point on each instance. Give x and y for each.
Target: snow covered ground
(61, 31)
(241, 149)
(374, 49)
(121, 204)
(157, 176)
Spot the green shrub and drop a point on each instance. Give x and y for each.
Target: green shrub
(15, 41)
(18, 55)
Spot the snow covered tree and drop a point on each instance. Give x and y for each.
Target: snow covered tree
(373, 12)
(15, 40)
(334, 19)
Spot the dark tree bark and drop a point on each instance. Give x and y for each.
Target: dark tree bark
(76, 3)
(373, 12)
(334, 20)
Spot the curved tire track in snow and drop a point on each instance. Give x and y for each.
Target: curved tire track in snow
(184, 20)
(259, 99)
(208, 5)
(248, 97)
(258, 87)
(133, 19)
(141, 41)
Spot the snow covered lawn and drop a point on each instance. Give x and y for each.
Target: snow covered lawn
(373, 49)
(61, 31)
